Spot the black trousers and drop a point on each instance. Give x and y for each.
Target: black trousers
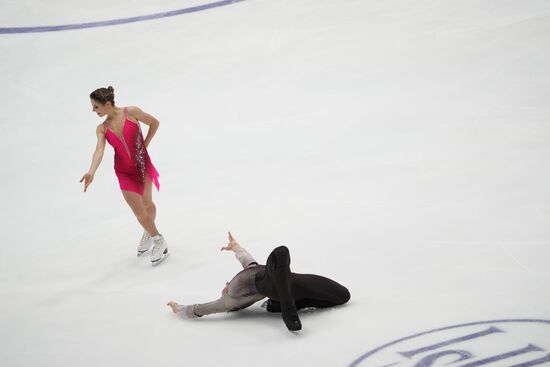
(296, 291)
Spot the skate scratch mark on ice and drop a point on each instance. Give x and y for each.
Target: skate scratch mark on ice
(106, 23)
(514, 258)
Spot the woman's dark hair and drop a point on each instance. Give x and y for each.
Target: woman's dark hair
(104, 95)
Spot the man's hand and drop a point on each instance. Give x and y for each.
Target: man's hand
(225, 289)
(174, 306)
(183, 311)
(232, 245)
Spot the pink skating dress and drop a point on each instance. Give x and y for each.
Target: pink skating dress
(132, 161)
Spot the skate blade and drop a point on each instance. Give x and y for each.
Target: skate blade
(141, 252)
(162, 258)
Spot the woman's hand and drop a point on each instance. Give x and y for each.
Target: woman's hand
(87, 178)
(147, 119)
(232, 245)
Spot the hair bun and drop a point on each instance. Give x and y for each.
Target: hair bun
(104, 95)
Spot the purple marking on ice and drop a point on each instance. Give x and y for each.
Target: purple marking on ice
(106, 23)
(358, 361)
(500, 357)
(490, 330)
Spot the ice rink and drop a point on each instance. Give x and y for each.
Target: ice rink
(398, 147)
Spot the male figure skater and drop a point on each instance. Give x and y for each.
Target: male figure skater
(287, 291)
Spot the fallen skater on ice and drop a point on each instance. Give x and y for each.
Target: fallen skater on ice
(287, 291)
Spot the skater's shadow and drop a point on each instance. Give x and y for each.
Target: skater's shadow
(264, 318)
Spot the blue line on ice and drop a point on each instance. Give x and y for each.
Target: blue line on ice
(106, 23)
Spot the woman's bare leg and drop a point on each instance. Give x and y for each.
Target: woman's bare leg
(135, 201)
(147, 199)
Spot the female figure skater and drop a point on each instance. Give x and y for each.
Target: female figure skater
(287, 291)
(134, 170)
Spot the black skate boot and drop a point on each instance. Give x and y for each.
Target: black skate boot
(292, 321)
(271, 305)
(278, 266)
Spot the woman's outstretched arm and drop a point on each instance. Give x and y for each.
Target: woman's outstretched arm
(96, 158)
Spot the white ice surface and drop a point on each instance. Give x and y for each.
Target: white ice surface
(399, 147)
